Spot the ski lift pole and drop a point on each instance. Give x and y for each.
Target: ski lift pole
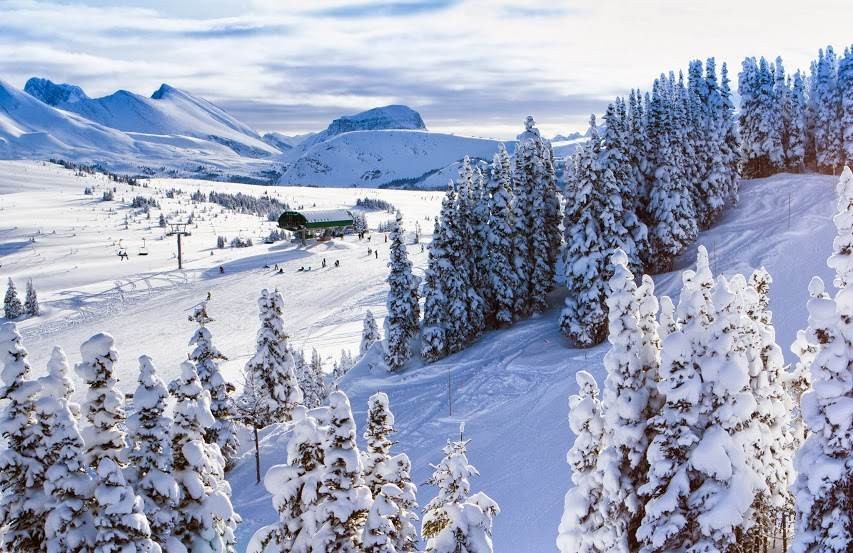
(179, 229)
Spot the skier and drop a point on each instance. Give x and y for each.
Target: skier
(377, 254)
(221, 270)
(324, 262)
(337, 262)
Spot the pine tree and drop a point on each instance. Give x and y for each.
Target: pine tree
(206, 358)
(377, 434)
(827, 130)
(342, 365)
(31, 304)
(402, 493)
(312, 381)
(582, 521)
(205, 520)
(294, 488)
(593, 228)
(401, 323)
(21, 468)
(731, 143)
(845, 91)
(273, 362)
(454, 520)
(118, 513)
(68, 484)
(626, 393)
(460, 225)
(499, 239)
(369, 334)
(151, 452)
(672, 224)
(12, 307)
(795, 123)
(344, 500)
(824, 472)
(376, 537)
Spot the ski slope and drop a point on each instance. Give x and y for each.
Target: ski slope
(510, 388)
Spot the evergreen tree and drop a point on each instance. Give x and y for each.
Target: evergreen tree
(312, 381)
(344, 500)
(402, 493)
(626, 393)
(454, 520)
(672, 224)
(582, 521)
(795, 123)
(294, 488)
(827, 101)
(461, 225)
(593, 227)
(731, 143)
(206, 358)
(342, 365)
(12, 307)
(401, 323)
(205, 520)
(151, 452)
(118, 513)
(845, 91)
(499, 239)
(68, 484)
(369, 334)
(824, 470)
(273, 362)
(377, 435)
(376, 537)
(21, 468)
(31, 304)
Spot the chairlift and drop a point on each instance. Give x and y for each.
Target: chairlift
(143, 250)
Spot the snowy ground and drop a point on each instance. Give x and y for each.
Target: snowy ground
(510, 387)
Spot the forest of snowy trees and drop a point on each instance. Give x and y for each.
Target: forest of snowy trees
(797, 122)
(701, 439)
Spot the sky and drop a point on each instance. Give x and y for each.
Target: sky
(474, 67)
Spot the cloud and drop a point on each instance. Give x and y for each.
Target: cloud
(473, 66)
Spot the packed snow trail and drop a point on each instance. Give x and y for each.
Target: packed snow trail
(510, 387)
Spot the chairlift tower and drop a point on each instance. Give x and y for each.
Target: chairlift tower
(179, 229)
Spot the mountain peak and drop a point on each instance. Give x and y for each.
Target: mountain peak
(394, 116)
(163, 91)
(54, 94)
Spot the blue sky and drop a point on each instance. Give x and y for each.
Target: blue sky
(469, 66)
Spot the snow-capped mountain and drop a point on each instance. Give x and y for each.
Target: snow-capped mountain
(386, 158)
(393, 117)
(169, 111)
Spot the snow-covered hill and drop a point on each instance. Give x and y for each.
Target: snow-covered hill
(510, 387)
(394, 117)
(169, 111)
(387, 158)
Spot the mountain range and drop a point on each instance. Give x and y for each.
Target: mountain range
(174, 133)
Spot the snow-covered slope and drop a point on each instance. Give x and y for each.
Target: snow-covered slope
(510, 387)
(169, 111)
(382, 158)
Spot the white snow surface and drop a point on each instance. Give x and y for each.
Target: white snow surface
(510, 387)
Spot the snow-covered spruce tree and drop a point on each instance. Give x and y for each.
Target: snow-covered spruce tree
(402, 493)
(772, 418)
(294, 488)
(401, 323)
(12, 306)
(369, 333)
(21, 468)
(31, 303)
(461, 225)
(626, 393)
(205, 520)
(312, 381)
(799, 381)
(823, 462)
(454, 520)
(583, 520)
(151, 452)
(480, 210)
(730, 149)
(343, 499)
(342, 365)
(68, 484)
(795, 122)
(118, 513)
(845, 90)
(377, 435)
(273, 362)
(502, 276)
(724, 482)
(672, 219)
(664, 526)
(593, 227)
(206, 358)
(827, 102)
(376, 536)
